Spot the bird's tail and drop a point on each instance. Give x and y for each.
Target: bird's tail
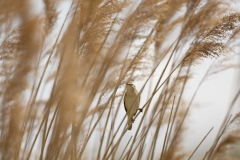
(129, 124)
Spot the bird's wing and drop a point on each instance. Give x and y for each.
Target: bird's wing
(137, 103)
(125, 104)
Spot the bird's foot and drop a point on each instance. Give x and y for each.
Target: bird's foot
(133, 120)
(140, 109)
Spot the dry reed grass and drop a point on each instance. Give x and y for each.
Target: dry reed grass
(58, 93)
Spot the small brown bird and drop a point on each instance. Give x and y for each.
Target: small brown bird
(131, 103)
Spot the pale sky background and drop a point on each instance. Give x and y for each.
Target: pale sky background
(210, 104)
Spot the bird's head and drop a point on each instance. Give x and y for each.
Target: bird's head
(130, 86)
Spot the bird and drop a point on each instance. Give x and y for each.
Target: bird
(131, 103)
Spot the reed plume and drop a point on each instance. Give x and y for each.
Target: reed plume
(63, 76)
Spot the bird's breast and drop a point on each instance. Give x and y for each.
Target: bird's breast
(129, 102)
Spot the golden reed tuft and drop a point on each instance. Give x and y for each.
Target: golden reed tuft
(62, 84)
